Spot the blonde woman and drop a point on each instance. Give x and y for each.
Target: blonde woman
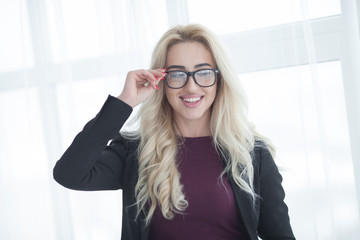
(195, 168)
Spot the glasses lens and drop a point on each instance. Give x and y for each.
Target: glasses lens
(176, 79)
(205, 77)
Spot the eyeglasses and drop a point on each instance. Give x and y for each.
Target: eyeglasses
(202, 77)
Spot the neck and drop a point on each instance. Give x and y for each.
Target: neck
(194, 128)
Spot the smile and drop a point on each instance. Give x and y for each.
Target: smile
(192, 99)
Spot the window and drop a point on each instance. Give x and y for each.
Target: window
(60, 59)
(229, 16)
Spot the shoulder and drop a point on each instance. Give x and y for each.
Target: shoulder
(263, 159)
(260, 151)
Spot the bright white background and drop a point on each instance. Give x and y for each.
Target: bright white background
(59, 59)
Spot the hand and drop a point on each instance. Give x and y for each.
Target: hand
(139, 85)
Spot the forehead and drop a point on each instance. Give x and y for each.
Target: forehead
(188, 54)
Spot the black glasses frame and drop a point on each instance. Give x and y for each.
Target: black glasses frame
(192, 74)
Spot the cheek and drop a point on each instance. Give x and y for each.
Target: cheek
(170, 95)
(167, 94)
(213, 92)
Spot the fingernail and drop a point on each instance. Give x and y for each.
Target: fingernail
(163, 69)
(161, 78)
(157, 87)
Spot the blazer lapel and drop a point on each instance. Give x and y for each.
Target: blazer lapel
(246, 209)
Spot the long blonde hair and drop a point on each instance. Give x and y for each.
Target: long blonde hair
(233, 135)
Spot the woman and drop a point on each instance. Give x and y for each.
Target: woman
(195, 168)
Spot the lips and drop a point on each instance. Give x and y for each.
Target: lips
(195, 99)
(192, 101)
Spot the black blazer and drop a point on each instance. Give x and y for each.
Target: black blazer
(90, 163)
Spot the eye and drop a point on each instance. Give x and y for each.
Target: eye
(204, 73)
(177, 75)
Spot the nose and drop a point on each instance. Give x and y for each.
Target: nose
(191, 84)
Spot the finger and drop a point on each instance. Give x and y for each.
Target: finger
(159, 74)
(141, 80)
(147, 76)
(154, 77)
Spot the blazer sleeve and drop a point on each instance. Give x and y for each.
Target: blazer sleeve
(274, 222)
(89, 163)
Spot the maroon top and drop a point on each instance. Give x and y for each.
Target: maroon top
(212, 212)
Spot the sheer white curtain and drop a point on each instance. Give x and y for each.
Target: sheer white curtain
(59, 59)
(290, 58)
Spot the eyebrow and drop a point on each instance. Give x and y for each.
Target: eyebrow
(196, 66)
(202, 65)
(176, 66)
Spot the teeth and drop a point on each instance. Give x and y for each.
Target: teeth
(191, 99)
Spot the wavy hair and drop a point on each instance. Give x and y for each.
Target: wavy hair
(233, 135)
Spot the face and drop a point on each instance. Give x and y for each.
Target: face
(192, 102)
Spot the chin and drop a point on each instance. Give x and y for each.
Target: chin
(195, 115)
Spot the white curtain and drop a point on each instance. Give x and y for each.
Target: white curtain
(59, 59)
